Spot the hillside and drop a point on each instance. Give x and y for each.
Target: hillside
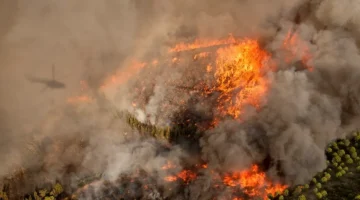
(340, 180)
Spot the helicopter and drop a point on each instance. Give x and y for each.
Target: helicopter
(49, 83)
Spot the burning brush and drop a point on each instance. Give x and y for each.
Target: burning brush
(233, 75)
(243, 119)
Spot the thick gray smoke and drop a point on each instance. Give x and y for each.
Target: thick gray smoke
(304, 111)
(90, 40)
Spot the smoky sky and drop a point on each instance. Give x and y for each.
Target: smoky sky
(90, 40)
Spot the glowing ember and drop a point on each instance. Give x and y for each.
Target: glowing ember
(187, 175)
(170, 178)
(240, 77)
(184, 175)
(174, 60)
(253, 183)
(168, 165)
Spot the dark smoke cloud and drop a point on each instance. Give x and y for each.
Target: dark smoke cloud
(89, 40)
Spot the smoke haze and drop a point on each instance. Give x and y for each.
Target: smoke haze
(91, 40)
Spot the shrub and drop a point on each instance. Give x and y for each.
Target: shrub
(338, 174)
(341, 152)
(324, 193)
(298, 190)
(314, 180)
(319, 195)
(336, 159)
(286, 192)
(324, 179)
(302, 197)
(347, 142)
(354, 155)
(318, 185)
(349, 161)
(352, 150)
(328, 176)
(335, 146)
(357, 138)
(42, 193)
(36, 196)
(57, 189)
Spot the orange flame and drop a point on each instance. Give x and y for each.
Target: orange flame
(185, 175)
(168, 165)
(201, 55)
(239, 76)
(171, 178)
(253, 182)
